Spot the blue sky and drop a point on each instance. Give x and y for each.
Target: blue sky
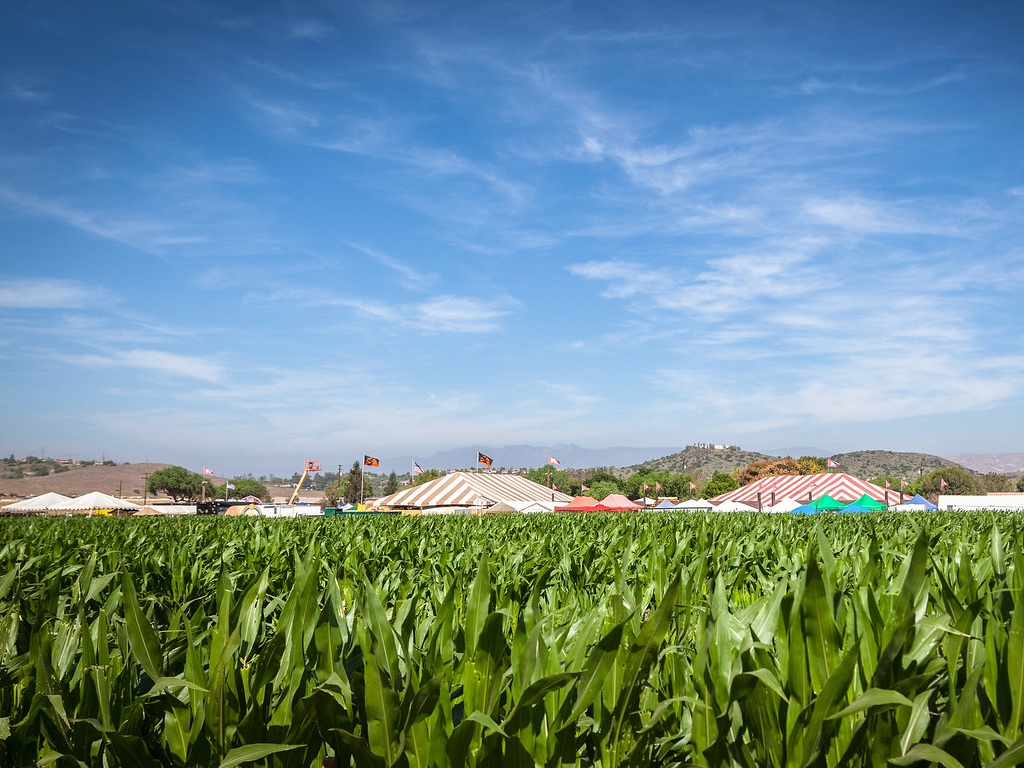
(243, 235)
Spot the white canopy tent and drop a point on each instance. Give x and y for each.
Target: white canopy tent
(695, 504)
(785, 505)
(91, 502)
(734, 506)
(527, 507)
(37, 503)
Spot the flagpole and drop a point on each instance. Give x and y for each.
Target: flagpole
(362, 469)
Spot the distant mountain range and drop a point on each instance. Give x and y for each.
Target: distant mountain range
(571, 456)
(1003, 463)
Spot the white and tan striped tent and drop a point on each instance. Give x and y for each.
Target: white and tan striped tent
(471, 490)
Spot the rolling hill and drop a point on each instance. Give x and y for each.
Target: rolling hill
(128, 480)
(704, 462)
(909, 465)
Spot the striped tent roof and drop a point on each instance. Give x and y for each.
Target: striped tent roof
(471, 489)
(838, 485)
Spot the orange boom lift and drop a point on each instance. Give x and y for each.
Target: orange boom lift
(311, 466)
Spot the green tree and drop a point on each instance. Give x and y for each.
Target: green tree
(559, 477)
(993, 482)
(602, 489)
(391, 486)
(426, 476)
(355, 480)
(812, 465)
(597, 479)
(176, 482)
(334, 493)
(720, 483)
(958, 481)
(1020, 484)
(243, 487)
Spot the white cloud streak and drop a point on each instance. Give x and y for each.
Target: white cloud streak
(52, 293)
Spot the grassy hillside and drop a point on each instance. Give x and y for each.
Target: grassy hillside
(128, 479)
(703, 462)
(870, 464)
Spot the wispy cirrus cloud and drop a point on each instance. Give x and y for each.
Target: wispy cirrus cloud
(438, 314)
(411, 277)
(310, 29)
(153, 361)
(52, 293)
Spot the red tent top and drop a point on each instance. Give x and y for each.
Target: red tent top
(577, 504)
(618, 503)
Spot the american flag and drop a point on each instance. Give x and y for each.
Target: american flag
(417, 469)
(231, 486)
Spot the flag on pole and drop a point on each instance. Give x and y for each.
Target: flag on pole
(370, 461)
(482, 459)
(832, 464)
(231, 486)
(943, 483)
(584, 488)
(207, 471)
(553, 460)
(903, 483)
(693, 487)
(888, 484)
(647, 487)
(417, 469)
(657, 486)
(554, 487)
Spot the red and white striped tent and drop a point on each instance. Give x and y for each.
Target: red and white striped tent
(804, 488)
(471, 489)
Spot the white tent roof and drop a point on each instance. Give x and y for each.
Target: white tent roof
(38, 503)
(472, 489)
(522, 506)
(695, 504)
(786, 505)
(734, 506)
(95, 500)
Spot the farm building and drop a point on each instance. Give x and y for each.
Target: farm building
(1003, 502)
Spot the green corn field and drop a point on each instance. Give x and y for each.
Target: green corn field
(610, 640)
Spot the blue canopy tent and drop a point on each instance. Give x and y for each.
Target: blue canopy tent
(854, 508)
(916, 503)
(806, 509)
(665, 504)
